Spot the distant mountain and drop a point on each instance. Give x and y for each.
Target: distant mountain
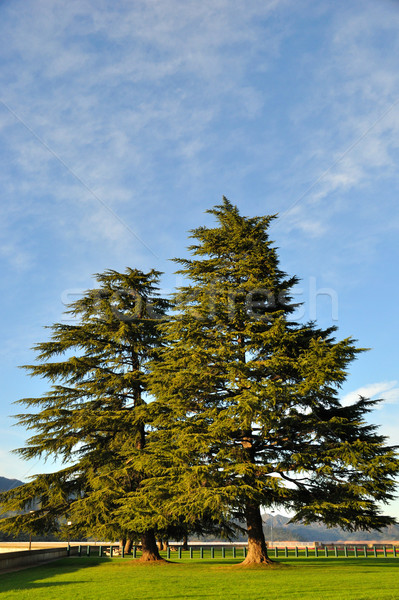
(9, 484)
(283, 530)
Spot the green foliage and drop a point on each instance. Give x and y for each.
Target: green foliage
(247, 410)
(94, 411)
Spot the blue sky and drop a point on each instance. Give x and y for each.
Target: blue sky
(122, 122)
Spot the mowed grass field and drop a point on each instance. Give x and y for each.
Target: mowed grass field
(92, 578)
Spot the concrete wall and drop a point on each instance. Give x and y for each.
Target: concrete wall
(25, 558)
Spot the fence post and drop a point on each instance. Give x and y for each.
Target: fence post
(191, 552)
(223, 552)
(276, 552)
(234, 552)
(68, 550)
(179, 552)
(365, 551)
(168, 552)
(245, 551)
(306, 551)
(296, 551)
(346, 551)
(394, 550)
(134, 551)
(336, 551)
(316, 551)
(286, 552)
(326, 551)
(88, 550)
(201, 552)
(375, 551)
(123, 550)
(100, 551)
(385, 551)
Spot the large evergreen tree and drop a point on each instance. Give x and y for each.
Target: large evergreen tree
(93, 417)
(247, 412)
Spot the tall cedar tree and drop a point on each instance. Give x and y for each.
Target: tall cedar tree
(247, 412)
(93, 412)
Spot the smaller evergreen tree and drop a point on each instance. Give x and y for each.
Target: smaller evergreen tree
(94, 416)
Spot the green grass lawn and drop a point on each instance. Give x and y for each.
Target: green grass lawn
(92, 578)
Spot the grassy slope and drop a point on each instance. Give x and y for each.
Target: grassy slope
(123, 579)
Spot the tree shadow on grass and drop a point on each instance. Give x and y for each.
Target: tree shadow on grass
(32, 578)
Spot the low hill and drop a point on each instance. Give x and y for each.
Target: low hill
(284, 530)
(9, 484)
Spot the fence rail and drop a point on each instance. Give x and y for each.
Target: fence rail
(232, 552)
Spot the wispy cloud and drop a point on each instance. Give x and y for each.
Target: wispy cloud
(158, 108)
(387, 390)
(350, 117)
(120, 94)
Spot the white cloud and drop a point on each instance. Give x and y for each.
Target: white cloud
(349, 118)
(121, 96)
(391, 396)
(387, 390)
(19, 259)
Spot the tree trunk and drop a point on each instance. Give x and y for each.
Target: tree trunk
(149, 547)
(257, 550)
(185, 542)
(128, 546)
(162, 544)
